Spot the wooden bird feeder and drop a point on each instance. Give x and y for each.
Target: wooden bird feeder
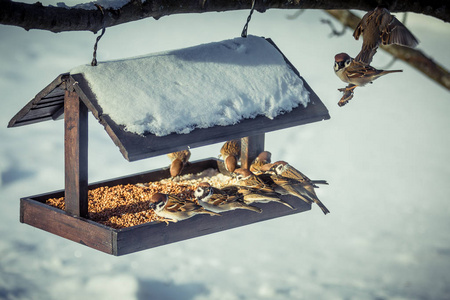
(70, 96)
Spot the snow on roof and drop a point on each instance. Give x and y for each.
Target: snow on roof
(177, 91)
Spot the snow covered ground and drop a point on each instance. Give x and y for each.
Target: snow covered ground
(385, 156)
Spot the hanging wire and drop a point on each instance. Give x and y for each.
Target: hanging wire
(94, 58)
(244, 31)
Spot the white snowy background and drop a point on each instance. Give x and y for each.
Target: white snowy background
(385, 156)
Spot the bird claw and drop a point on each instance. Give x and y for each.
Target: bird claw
(348, 94)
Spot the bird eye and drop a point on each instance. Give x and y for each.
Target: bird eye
(336, 66)
(348, 62)
(160, 205)
(279, 169)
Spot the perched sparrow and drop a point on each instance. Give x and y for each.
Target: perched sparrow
(255, 190)
(248, 179)
(230, 153)
(178, 161)
(356, 73)
(284, 169)
(304, 191)
(286, 186)
(262, 159)
(379, 26)
(220, 200)
(176, 209)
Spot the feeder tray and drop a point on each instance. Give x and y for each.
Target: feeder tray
(70, 97)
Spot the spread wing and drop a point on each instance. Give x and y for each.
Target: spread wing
(363, 23)
(396, 33)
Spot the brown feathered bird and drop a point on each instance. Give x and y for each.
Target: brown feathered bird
(176, 209)
(221, 200)
(262, 159)
(289, 181)
(380, 27)
(230, 152)
(178, 161)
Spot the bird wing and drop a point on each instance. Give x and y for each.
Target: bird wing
(224, 196)
(366, 54)
(396, 33)
(362, 24)
(359, 70)
(175, 203)
(189, 206)
(293, 173)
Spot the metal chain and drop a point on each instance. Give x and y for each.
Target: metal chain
(94, 58)
(244, 31)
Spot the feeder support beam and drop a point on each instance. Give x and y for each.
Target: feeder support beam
(76, 154)
(251, 146)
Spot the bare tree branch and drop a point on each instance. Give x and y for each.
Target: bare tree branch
(413, 57)
(57, 19)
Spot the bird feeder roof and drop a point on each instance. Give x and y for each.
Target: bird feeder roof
(161, 103)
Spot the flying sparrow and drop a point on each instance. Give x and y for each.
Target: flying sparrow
(178, 161)
(220, 200)
(255, 190)
(380, 27)
(356, 73)
(176, 209)
(230, 153)
(262, 159)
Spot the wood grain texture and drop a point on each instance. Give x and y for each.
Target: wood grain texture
(150, 235)
(35, 111)
(251, 146)
(58, 222)
(76, 155)
(135, 147)
(57, 19)
(118, 242)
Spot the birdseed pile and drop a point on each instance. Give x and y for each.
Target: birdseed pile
(122, 206)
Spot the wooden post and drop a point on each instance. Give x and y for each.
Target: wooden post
(251, 146)
(76, 154)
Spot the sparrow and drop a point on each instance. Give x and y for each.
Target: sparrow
(380, 27)
(284, 169)
(230, 152)
(220, 200)
(356, 73)
(286, 180)
(304, 191)
(246, 178)
(262, 159)
(176, 209)
(178, 161)
(255, 190)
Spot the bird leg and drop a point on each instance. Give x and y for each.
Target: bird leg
(349, 87)
(348, 94)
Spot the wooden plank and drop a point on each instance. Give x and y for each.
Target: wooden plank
(151, 235)
(142, 177)
(135, 147)
(251, 146)
(58, 222)
(36, 213)
(31, 121)
(54, 88)
(76, 155)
